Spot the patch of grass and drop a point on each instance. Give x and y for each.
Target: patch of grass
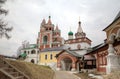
(32, 70)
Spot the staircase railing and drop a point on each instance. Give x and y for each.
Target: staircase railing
(6, 62)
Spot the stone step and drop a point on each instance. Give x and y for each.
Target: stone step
(4, 65)
(7, 74)
(20, 77)
(15, 74)
(9, 69)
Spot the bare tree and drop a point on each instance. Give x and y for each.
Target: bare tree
(4, 29)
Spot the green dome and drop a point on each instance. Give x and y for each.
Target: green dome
(70, 33)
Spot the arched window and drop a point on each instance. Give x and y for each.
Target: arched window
(45, 57)
(51, 56)
(24, 51)
(45, 38)
(32, 61)
(33, 52)
(28, 52)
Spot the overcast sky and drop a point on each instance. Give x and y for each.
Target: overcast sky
(26, 15)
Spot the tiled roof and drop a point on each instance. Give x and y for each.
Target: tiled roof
(70, 52)
(89, 57)
(96, 47)
(74, 53)
(53, 49)
(118, 16)
(31, 46)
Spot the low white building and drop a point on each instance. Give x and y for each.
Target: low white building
(32, 53)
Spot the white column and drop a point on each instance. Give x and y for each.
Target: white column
(112, 59)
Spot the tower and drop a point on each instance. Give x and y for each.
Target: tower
(80, 42)
(80, 33)
(56, 37)
(45, 34)
(70, 35)
(48, 37)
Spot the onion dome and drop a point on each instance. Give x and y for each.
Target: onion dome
(70, 33)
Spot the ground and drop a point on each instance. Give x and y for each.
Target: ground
(82, 75)
(113, 75)
(65, 75)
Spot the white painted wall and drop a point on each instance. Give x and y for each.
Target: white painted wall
(31, 56)
(83, 45)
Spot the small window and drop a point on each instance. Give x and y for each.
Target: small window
(24, 51)
(38, 51)
(45, 38)
(51, 56)
(45, 57)
(33, 52)
(28, 52)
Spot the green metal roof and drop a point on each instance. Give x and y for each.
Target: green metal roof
(23, 55)
(31, 46)
(70, 33)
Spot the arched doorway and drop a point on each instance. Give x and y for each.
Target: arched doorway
(66, 64)
(45, 39)
(32, 61)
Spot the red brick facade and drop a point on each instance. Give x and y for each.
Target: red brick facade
(49, 36)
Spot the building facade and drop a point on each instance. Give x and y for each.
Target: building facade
(49, 35)
(32, 53)
(75, 48)
(49, 43)
(108, 53)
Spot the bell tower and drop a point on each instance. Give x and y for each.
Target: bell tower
(80, 33)
(45, 34)
(49, 37)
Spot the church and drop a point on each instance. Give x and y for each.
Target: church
(75, 53)
(62, 54)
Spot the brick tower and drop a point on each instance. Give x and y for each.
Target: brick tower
(49, 35)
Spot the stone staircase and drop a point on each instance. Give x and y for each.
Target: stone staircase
(10, 71)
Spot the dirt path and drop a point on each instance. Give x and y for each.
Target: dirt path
(65, 75)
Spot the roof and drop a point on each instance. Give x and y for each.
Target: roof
(70, 33)
(31, 46)
(97, 47)
(89, 57)
(116, 18)
(70, 52)
(23, 55)
(53, 49)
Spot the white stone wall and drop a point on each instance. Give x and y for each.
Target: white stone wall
(30, 56)
(83, 45)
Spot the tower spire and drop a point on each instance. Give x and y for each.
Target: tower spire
(80, 32)
(57, 27)
(49, 20)
(43, 22)
(79, 26)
